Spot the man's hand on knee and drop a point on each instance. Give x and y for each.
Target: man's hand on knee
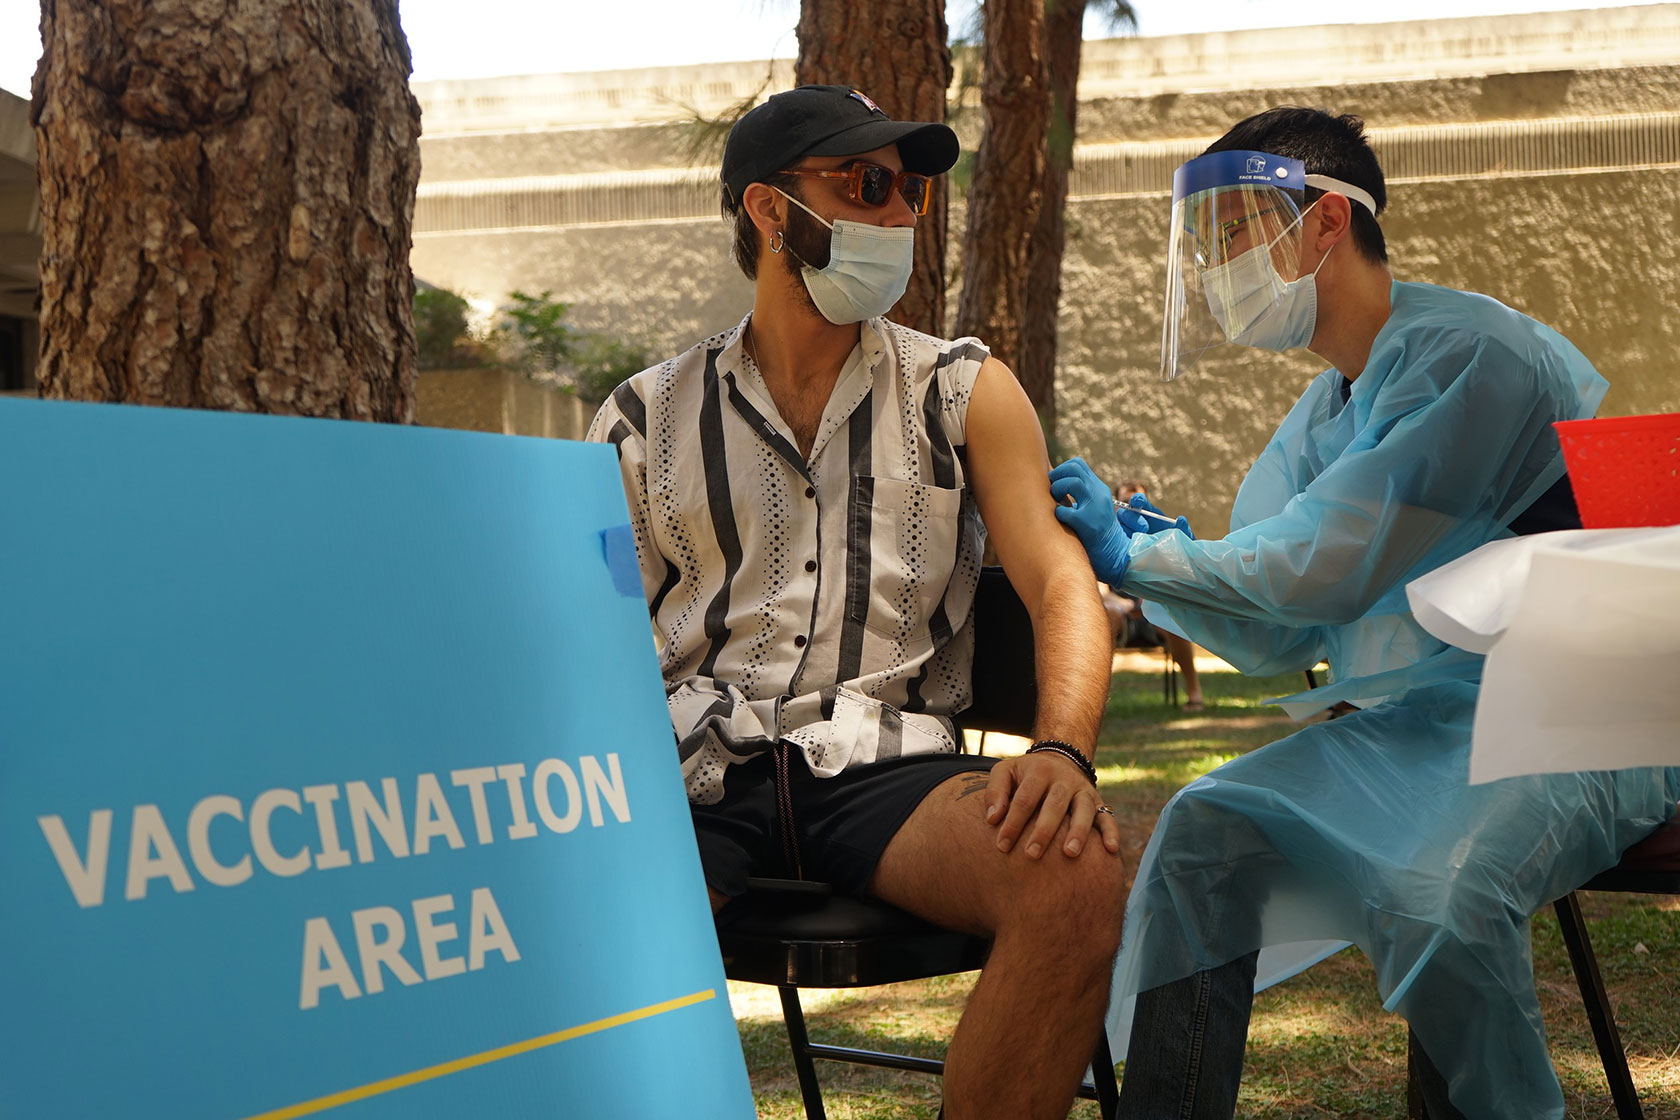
(1037, 794)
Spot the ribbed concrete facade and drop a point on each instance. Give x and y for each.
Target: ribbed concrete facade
(1534, 158)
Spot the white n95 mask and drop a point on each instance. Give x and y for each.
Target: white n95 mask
(867, 271)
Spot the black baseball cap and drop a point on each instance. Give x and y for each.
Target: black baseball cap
(826, 121)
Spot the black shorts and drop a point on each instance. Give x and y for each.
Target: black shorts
(842, 823)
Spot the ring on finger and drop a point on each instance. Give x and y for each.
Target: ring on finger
(1105, 809)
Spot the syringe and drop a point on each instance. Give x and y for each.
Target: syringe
(1149, 513)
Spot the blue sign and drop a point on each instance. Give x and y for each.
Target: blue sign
(336, 777)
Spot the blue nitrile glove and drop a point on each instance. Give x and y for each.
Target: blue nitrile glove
(1137, 523)
(1092, 519)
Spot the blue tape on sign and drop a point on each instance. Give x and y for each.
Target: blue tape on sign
(618, 544)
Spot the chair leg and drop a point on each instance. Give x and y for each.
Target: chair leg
(794, 1018)
(1426, 1088)
(1102, 1077)
(1107, 1090)
(1597, 1002)
(1415, 1109)
(1169, 677)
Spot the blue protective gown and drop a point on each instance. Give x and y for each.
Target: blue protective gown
(1365, 829)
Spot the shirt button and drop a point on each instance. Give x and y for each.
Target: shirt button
(810, 565)
(810, 491)
(799, 642)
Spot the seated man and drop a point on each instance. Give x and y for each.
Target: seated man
(807, 491)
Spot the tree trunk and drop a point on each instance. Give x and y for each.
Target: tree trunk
(1064, 22)
(227, 192)
(895, 52)
(1004, 201)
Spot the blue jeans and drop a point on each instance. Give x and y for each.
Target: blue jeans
(1185, 1058)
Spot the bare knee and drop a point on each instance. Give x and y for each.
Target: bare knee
(1080, 898)
(1099, 903)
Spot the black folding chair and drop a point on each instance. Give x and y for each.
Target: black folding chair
(1651, 866)
(801, 935)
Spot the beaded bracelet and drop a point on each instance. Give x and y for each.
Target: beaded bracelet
(1067, 750)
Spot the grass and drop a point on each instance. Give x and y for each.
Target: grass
(1320, 1045)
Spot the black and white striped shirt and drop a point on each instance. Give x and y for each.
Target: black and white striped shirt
(823, 602)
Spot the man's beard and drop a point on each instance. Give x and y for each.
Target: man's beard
(805, 242)
(808, 238)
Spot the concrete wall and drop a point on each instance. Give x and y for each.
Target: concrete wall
(493, 400)
(1554, 189)
(1405, 51)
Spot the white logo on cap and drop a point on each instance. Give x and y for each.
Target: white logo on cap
(873, 108)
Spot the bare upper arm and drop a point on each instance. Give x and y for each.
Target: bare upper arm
(1008, 468)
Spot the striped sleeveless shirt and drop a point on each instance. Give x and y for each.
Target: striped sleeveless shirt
(824, 602)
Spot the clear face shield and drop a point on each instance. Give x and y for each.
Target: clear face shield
(1234, 256)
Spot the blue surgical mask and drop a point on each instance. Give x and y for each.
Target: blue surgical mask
(1256, 307)
(867, 271)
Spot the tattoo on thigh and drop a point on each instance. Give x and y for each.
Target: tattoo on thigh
(971, 784)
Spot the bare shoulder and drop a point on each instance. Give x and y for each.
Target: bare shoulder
(1009, 468)
(1001, 420)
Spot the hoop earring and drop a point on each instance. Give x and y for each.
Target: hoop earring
(776, 241)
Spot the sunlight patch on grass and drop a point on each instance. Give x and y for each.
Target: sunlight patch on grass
(1207, 762)
(1580, 1060)
(1656, 1075)
(1181, 771)
(1111, 773)
(1252, 701)
(1241, 723)
(1307, 1021)
(761, 1001)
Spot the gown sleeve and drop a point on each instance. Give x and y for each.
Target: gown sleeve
(1458, 438)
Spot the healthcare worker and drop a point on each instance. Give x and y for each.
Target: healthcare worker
(1429, 436)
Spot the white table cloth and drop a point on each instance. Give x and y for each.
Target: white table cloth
(1582, 635)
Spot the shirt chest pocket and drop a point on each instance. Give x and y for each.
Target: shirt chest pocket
(904, 539)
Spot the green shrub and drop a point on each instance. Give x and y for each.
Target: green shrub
(600, 364)
(531, 336)
(533, 332)
(440, 326)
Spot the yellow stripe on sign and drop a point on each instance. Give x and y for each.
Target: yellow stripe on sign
(373, 1089)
